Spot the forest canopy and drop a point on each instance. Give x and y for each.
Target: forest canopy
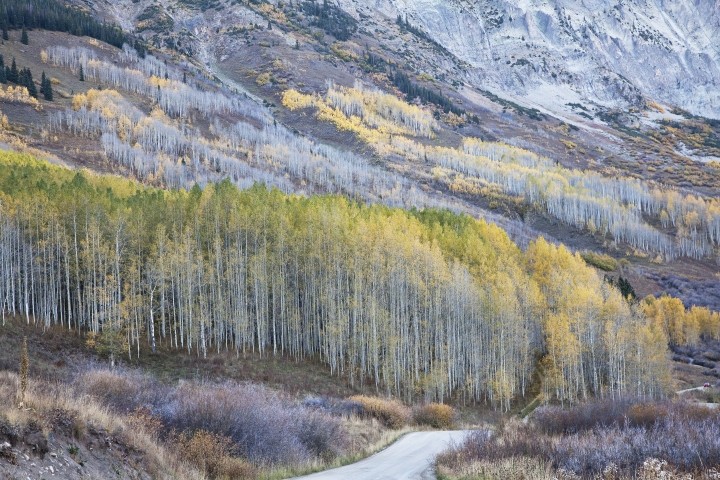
(56, 16)
(419, 303)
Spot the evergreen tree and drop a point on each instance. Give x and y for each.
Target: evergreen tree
(3, 77)
(25, 79)
(626, 289)
(13, 73)
(139, 48)
(46, 87)
(82, 74)
(24, 37)
(5, 35)
(57, 16)
(48, 91)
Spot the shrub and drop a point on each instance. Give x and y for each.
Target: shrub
(685, 438)
(212, 453)
(600, 260)
(646, 414)
(265, 428)
(604, 413)
(436, 415)
(341, 408)
(123, 390)
(391, 413)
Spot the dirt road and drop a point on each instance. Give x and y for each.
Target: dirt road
(410, 458)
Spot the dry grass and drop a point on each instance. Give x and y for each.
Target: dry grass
(44, 400)
(508, 468)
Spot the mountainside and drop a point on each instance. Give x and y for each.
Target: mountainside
(529, 116)
(392, 207)
(614, 54)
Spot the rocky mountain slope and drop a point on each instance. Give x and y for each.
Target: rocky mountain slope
(613, 54)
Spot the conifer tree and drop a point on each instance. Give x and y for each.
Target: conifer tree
(3, 76)
(49, 96)
(82, 74)
(25, 79)
(5, 35)
(24, 37)
(13, 73)
(46, 87)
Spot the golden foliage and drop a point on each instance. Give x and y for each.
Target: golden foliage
(18, 94)
(681, 326)
(263, 79)
(600, 260)
(391, 413)
(436, 415)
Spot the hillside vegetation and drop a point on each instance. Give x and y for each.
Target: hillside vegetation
(628, 439)
(420, 303)
(631, 211)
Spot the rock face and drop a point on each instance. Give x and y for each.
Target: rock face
(614, 54)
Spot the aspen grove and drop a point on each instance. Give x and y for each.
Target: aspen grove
(417, 303)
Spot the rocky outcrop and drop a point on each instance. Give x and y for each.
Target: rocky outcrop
(615, 54)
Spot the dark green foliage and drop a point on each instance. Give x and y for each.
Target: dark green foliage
(623, 285)
(426, 95)
(406, 26)
(532, 113)
(374, 63)
(82, 74)
(5, 35)
(625, 288)
(24, 37)
(46, 87)
(57, 16)
(140, 48)
(331, 18)
(22, 77)
(12, 72)
(25, 79)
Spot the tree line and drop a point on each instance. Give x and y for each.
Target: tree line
(427, 95)
(331, 18)
(57, 16)
(23, 77)
(418, 303)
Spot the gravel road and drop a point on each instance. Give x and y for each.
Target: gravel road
(410, 458)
